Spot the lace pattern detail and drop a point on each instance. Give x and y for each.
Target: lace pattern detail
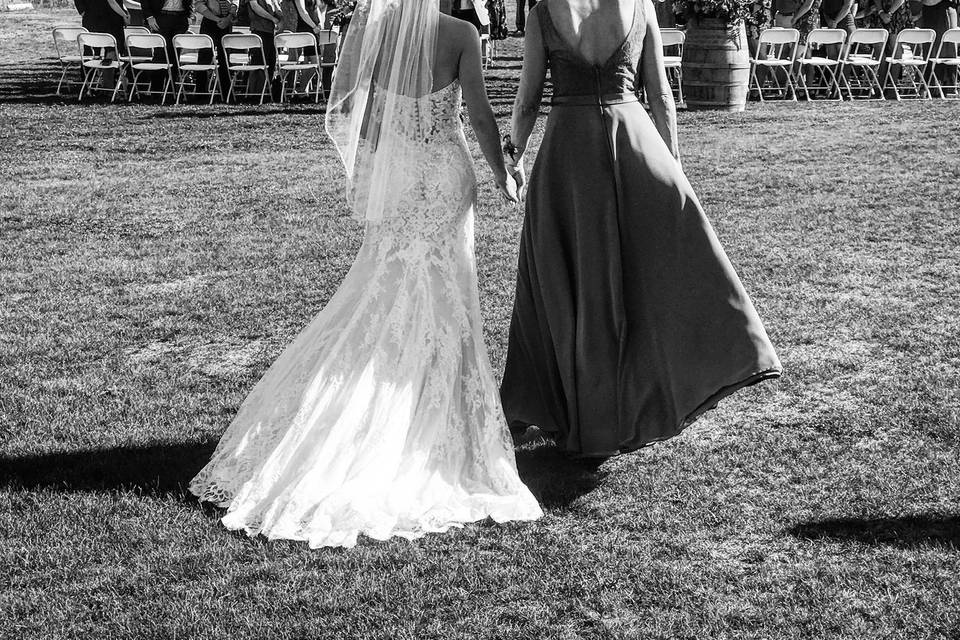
(383, 416)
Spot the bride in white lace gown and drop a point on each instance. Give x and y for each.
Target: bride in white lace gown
(383, 417)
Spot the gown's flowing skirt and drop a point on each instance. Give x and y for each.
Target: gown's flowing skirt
(382, 417)
(629, 320)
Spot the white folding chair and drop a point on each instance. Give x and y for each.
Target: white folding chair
(823, 68)
(776, 51)
(911, 53)
(673, 40)
(860, 71)
(138, 55)
(157, 61)
(287, 63)
(98, 52)
(237, 47)
(328, 50)
(241, 30)
(65, 42)
(949, 40)
(187, 47)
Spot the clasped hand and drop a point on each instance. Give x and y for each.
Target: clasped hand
(508, 188)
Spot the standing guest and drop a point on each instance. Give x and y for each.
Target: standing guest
(104, 16)
(837, 14)
(941, 15)
(266, 18)
(892, 15)
(522, 7)
(472, 11)
(498, 19)
(168, 18)
(796, 14)
(219, 16)
(310, 16)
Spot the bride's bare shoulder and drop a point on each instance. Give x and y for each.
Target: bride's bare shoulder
(454, 35)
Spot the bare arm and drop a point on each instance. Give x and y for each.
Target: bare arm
(201, 7)
(844, 10)
(305, 15)
(802, 11)
(258, 9)
(526, 106)
(118, 9)
(478, 105)
(655, 84)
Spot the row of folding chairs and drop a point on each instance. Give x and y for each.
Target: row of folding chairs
(833, 62)
(96, 53)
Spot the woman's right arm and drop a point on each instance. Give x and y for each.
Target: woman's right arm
(258, 9)
(655, 84)
(478, 108)
(305, 15)
(526, 107)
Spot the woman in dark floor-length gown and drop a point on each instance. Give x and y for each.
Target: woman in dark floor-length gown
(629, 321)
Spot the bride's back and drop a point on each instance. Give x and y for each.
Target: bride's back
(593, 28)
(450, 45)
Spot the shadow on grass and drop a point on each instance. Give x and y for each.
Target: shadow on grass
(555, 479)
(157, 470)
(166, 469)
(907, 532)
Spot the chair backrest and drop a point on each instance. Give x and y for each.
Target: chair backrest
(128, 30)
(98, 43)
(951, 39)
(192, 42)
(65, 39)
(326, 37)
(918, 42)
(867, 43)
(820, 37)
(147, 42)
(294, 40)
(781, 43)
(672, 37)
(779, 35)
(241, 41)
(237, 29)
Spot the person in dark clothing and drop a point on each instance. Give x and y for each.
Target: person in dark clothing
(104, 16)
(168, 18)
(941, 15)
(219, 17)
(266, 17)
(522, 7)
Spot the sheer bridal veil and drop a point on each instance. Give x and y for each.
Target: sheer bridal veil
(373, 116)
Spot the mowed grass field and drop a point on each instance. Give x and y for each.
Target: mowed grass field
(155, 260)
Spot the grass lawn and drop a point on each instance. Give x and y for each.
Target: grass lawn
(155, 260)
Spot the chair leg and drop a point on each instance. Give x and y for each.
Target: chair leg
(233, 83)
(63, 76)
(116, 86)
(214, 85)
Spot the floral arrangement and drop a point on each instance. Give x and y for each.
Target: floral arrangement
(733, 12)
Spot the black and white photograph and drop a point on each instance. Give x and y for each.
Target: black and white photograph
(479, 319)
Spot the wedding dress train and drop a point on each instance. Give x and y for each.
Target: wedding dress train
(383, 416)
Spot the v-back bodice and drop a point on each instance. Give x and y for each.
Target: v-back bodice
(572, 75)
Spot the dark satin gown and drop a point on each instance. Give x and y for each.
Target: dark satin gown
(629, 320)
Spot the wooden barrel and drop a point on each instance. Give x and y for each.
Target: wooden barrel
(716, 66)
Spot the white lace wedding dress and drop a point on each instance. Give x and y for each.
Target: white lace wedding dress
(383, 417)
